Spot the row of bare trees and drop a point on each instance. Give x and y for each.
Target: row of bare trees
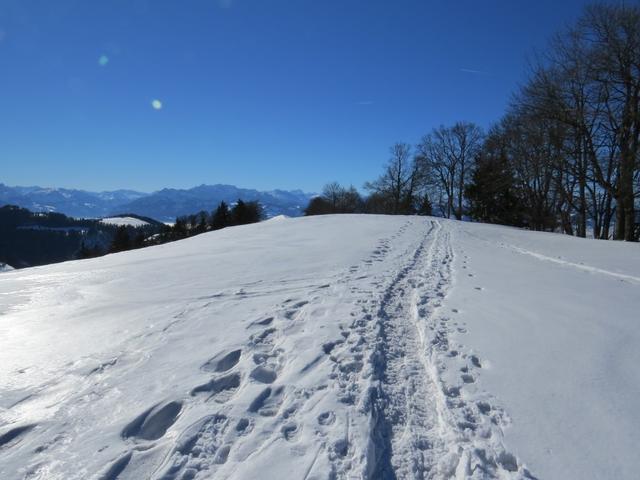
(431, 177)
(580, 112)
(564, 157)
(446, 157)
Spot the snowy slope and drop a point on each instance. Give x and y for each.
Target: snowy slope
(326, 347)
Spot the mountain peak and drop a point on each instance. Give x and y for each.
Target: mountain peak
(164, 205)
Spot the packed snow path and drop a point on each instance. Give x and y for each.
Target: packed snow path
(343, 347)
(420, 427)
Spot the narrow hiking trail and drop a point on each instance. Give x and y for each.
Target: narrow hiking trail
(358, 373)
(420, 425)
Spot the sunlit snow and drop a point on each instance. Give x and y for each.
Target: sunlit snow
(128, 221)
(326, 347)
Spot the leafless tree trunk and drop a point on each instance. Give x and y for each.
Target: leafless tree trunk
(449, 153)
(398, 182)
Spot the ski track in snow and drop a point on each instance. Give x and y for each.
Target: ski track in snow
(399, 416)
(586, 268)
(420, 427)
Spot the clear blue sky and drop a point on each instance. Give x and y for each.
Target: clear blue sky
(256, 93)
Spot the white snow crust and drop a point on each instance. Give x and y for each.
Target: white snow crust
(126, 221)
(326, 347)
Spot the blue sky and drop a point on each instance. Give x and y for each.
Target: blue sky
(257, 93)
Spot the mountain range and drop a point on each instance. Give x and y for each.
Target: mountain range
(163, 205)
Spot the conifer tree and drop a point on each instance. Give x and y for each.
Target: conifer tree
(221, 217)
(121, 240)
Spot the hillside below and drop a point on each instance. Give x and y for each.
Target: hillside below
(349, 346)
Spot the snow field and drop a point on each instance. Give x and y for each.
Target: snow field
(126, 221)
(328, 347)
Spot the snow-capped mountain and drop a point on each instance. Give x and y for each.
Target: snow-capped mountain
(352, 346)
(74, 203)
(164, 205)
(169, 203)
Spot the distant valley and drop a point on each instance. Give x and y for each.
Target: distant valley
(164, 205)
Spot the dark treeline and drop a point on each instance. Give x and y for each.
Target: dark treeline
(30, 239)
(564, 157)
(129, 238)
(242, 213)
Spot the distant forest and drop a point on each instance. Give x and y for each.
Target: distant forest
(241, 213)
(30, 239)
(564, 157)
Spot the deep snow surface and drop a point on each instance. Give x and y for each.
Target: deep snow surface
(326, 347)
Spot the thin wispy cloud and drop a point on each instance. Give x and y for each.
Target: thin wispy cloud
(474, 72)
(365, 102)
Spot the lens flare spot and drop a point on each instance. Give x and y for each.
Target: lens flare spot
(156, 104)
(103, 60)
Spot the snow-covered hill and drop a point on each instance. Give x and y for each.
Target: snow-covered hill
(126, 221)
(5, 267)
(326, 347)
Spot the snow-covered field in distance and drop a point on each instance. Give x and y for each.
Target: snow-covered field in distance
(326, 347)
(126, 221)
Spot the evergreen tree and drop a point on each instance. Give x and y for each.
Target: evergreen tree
(318, 206)
(253, 212)
(244, 213)
(202, 222)
(180, 228)
(221, 217)
(88, 252)
(139, 240)
(121, 240)
(238, 213)
(425, 207)
(492, 193)
(192, 224)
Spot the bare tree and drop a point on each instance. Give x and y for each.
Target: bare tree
(335, 199)
(467, 142)
(399, 181)
(332, 192)
(440, 167)
(586, 95)
(448, 154)
(615, 33)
